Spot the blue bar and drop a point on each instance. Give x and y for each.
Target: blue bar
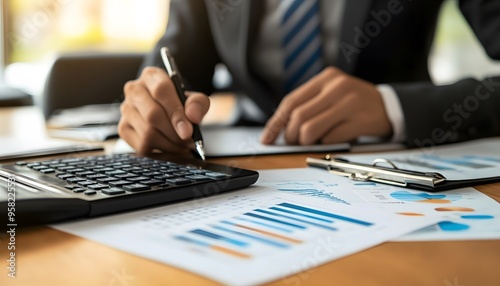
(365, 184)
(344, 218)
(296, 219)
(195, 241)
(300, 214)
(483, 158)
(260, 239)
(265, 224)
(315, 193)
(458, 162)
(275, 220)
(219, 237)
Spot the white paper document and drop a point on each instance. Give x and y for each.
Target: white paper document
(244, 141)
(290, 221)
(461, 161)
(248, 237)
(20, 148)
(240, 141)
(468, 213)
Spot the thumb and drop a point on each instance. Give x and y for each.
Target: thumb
(197, 105)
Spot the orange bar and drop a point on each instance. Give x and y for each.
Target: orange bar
(231, 252)
(410, 214)
(454, 209)
(435, 201)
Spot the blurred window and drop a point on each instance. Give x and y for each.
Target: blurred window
(36, 29)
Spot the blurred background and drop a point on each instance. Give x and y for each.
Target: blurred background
(36, 31)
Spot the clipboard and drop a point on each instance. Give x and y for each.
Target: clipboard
(390, 174)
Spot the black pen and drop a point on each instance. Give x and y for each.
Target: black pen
(175, 76)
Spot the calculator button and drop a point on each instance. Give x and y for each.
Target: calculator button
(39, 167)
(198, 171)
(151, 174)
(66, 168)
(79, 190)
(113, 191)
(138, 179)
(216, 175)
(96, 176)
(103, 170)
(178, 181)
(64, 176)
(182, 173)
(126, 176)
(120, 183)
(75, 180)
(47, 171)
(86, 183)
(115, 172)
(165, 177)
(107, 180)
(85, 173)
(152, 182)
(76, 170)
(136, 187)
(97, 186)
(198, 178)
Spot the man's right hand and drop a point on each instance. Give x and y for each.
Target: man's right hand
(153, 117)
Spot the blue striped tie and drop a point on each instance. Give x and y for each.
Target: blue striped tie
(301, 41)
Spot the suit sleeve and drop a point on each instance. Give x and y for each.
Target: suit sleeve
(189, 39)
(468, 109)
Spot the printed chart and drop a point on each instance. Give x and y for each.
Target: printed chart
(259, 234)
(468, 214)
(261, 230)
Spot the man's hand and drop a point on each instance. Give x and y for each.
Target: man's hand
(153, 117)
(332, 107)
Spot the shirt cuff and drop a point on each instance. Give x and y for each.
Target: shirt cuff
(394, 112)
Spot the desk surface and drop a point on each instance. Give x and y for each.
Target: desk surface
(48, 257)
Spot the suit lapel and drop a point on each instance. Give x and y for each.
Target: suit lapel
(355, 15)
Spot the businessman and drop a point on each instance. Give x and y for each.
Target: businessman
(320, 71)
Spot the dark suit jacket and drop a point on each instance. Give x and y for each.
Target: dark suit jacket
(373, 46)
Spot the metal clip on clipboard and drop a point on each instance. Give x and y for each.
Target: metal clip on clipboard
(380, 174)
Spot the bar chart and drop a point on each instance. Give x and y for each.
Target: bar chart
(467, 162)
(280, 226)
(256, 235)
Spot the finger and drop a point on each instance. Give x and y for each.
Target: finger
(282, 115)
(162, 90)
(197, 106)
(315, 129)
(128, 134)
(342, 133)
(146, 138)
(297, 97)
(332, 92)
(152, 113)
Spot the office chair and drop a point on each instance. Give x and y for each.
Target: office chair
(82, 79)
(10, 97)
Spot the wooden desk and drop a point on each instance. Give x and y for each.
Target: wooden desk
(48, 257)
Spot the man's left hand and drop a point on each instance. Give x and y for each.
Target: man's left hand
(332, 107)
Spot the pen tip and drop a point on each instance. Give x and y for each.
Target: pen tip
(199, 148)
